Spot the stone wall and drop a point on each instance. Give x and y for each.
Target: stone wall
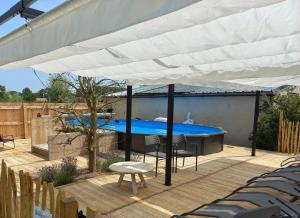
(72, 144)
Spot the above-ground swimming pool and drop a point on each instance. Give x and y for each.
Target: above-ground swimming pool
(201, 139)
(158, 128)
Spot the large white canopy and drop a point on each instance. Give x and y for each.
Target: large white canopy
(254, 42)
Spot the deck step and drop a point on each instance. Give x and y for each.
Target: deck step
(41, 150)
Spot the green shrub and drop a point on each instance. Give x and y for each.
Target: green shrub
(103, 165)
(48, 173)
(60, 174)
(98, 164)
(69, 164)
(63, 178)
(110, 158)
(268, 124)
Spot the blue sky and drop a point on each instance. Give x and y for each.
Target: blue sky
(19, 78)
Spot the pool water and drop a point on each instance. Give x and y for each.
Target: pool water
(156, 128)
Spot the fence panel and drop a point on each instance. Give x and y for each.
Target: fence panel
(28, 205)
(15, 118)
(288, 136)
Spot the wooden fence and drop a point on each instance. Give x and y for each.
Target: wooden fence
(34, 198)
(288, 136)
(15, 118)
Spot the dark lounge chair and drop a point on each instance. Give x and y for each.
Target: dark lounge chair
(292, 176)
(8, 138)
(286, 187)
(287, 209)
(233, 211)
(288, 183)
(291, 161)
(288, 167)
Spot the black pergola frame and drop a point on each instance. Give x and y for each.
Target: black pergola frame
(170, 120)
(22, 8)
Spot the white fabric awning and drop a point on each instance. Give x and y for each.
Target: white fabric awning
(253, 42)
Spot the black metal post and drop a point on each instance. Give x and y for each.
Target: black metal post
(168, 169)
(256, 114)
(128, 123)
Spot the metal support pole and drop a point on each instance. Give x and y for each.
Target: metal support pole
(128, 123)
(256, 114)
(168, 169)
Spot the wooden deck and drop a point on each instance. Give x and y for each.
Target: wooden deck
(217, 176)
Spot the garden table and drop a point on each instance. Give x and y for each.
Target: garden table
(132, 168)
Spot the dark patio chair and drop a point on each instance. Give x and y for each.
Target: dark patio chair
(153, 148)
(8, 138)
(180, 149)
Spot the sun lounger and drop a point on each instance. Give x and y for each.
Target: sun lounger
(267, 212)
(290, 188)
(287, 209)
(287, 166)
(233, 211)
(290, 185)
(216, 210)
(292, 176)
(277, 172)
(290, 161)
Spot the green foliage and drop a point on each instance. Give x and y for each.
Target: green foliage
(110, 158)
(103, 165)
(267, 130)
(63, 178)
(61, 174)
(2, 92)
(42, 93)
(11, 96)
(28, 95)
(69, 164)
(58, 90)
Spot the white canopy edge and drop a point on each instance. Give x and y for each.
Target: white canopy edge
(164, 41)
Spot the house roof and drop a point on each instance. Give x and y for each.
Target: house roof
(190, 90)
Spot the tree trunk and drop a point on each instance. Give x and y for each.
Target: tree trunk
(92, 160)
(93, 144)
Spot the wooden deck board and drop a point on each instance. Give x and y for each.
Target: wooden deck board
(217, 175)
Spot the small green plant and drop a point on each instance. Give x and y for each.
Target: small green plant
(60, 174)
(63, 178)
(69, 164)
(48, 173)
(98, 164)
(110, 159)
